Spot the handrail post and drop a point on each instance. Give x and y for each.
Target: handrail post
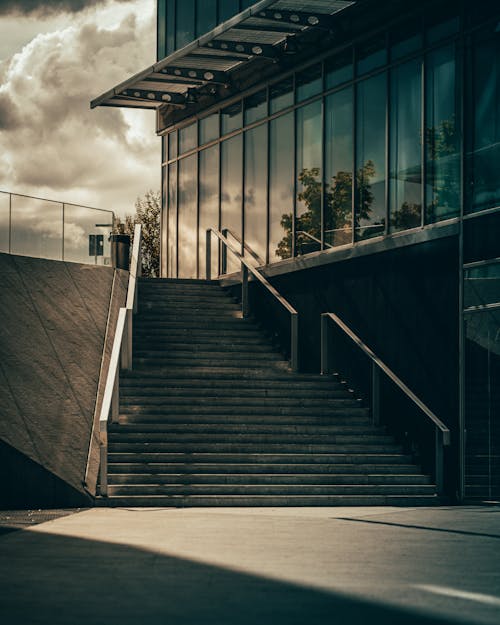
(244, 291)
(103, 464)
(115, 399)
(375, 393)
(224, 254)
(294, 342)
(439, 453)
(325, 365)
(208, 254)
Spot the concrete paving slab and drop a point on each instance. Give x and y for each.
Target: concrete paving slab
(257, 565)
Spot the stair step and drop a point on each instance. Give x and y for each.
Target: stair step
(241, 447)
(194, 344)
(342, 399)
(270, 489)
(182, 467)
(215, 355)
(268, 500)
(251, 379)
(209, 363)
(238, 395)
(142, 419)
(316, 458)
(297, 479)
(153, 439)
(166, 429)
(343, 407)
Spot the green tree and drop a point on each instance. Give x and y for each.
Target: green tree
(338, 208)
(147, 213)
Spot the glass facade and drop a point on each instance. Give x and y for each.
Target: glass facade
(365, 143)
(181, 21)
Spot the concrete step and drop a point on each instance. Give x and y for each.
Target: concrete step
(343, 408)
(242, 447)
(216, 437)
(192, 392)
(272, 381)
(297, 479)
(158, 322)
(189, 315)
(227, 427)
(210, 363)
(222, 355)
(187, 469)
(271, 489)
(196, 345)
(143, 420)
(160, 399)
(267, 500)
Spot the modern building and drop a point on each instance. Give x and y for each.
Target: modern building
(352, 146)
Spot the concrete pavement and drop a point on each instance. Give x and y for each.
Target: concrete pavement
(246, 566)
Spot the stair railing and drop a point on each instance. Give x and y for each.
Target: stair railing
(121, 358)
(246, 247)
(247, 267)
(442, 433)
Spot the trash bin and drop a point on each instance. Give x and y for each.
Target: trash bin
(120, 250)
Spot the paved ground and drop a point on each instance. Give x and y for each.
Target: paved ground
(255, 566)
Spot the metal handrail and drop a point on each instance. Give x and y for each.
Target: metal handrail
(443, 435)
(312, 237)
(246, 266)
(246, 247)
(121, 358)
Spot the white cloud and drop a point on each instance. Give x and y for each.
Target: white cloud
(51, 143)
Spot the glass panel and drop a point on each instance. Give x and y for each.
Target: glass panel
(482, 285)
(281, 187)
(309, 82)
(187, 227)
(443, 29)
(255, 107)
(172, 145)
(309, 179)
(185, 22)
(338, 69)
(281, 95)
(338, 167)
(187, 138)
(208, 205)
(483, 188)
(480, 237)
(370, 158)
(442, 139)
(231, 118)
(164, 224)
(406, 38)
(170, 26)
(206, 16)
(33, 235)
(227, 8)
(231, 191)
(4, 221)
(256, 190)
(79, 224)
(172, 220)
(482, 405)
(371, 55)
(209, 128)
(405, 150)
(161, 33)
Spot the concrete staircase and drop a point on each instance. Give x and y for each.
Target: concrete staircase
(211, 415)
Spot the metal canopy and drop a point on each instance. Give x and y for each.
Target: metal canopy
(262, 31)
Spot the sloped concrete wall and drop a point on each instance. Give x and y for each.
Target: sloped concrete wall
(53, 319)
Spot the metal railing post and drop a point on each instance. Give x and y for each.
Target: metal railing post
(115, 399)
(208, 255)
(439, 451)
(244, 291)
(375, 393)
(294, 341)
(103, 464)
(325, 365)
(224, 254)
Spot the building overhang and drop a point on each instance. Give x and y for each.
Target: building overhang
(208, 68)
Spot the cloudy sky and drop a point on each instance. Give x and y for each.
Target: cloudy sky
(55, 56)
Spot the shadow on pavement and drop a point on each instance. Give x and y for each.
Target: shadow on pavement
(421, 527)
(53, 579)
